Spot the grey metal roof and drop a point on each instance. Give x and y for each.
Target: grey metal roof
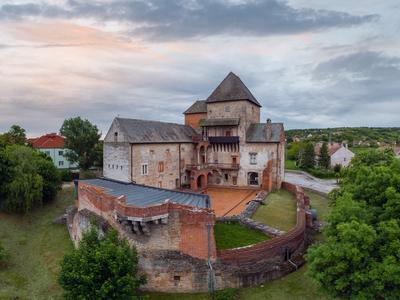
(145, 196)
(256, 133)
(232, 89)
(144, 131)
(220, 122)
(198, 107)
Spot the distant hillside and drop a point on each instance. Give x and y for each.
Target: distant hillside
(355, 136)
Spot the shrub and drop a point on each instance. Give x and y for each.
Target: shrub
(3, 254)
(227, 294)
(66, 175)
(87, 174)
(337, 168)
(322, 173)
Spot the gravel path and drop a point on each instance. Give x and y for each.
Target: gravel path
(307, 181)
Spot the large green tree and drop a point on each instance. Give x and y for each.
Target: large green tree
(360, 257)
(27, 178)
(324, 159)
(308, 159)
(81, 137)
(101, 268)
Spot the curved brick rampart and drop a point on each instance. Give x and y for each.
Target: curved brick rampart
(277, 246)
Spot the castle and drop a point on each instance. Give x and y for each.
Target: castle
(222, 143)
(156, 194)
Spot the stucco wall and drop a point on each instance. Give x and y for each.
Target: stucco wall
(116, 163)
(342, 157)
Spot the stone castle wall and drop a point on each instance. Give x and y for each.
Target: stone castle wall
(174, 254)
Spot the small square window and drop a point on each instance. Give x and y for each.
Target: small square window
(60, 163)
(60, 153)
(177, 278)
(47, 152)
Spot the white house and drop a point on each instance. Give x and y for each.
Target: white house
(341, 156)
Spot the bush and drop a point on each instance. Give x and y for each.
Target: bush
(322, 173)
(66, 175)
(87, 174)
(3, 254)
(227, 294)
(337, 168)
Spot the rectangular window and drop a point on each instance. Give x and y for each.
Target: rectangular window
(160, 184)
(115, 137)
(60, 163)
(227, 108)
(61, 153)
(47, 152)
(160, 166)
(144, 169)
(253, 158)
(234, 180)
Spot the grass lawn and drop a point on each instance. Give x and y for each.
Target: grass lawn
(279, 211)
(291, 165)
(36, 247)
(234, 235)
(320, 203)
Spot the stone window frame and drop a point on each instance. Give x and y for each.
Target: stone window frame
(144, 170)
(253, 158)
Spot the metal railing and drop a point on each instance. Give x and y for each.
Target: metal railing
(225, 166)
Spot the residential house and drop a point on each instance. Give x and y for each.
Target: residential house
(53, 145)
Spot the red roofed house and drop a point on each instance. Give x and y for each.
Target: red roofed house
(53, 145)
(338, 153)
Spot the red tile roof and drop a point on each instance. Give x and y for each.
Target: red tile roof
(332, 148)
(51, 140)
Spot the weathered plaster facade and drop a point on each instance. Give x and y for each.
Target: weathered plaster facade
(221, 143)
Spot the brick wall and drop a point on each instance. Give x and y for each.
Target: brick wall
(277, 246)
(186, 229)
(193, 120)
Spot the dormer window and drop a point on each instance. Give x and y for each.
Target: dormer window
(115, 137)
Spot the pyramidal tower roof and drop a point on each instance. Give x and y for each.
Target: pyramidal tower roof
(232, 89)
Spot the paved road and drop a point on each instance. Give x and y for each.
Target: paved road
(306, 180)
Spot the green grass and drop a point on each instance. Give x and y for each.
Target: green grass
(279, 211)
(36, 247)
(234, 235)
(320, 203)
(291, 165)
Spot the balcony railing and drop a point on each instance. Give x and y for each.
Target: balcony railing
(223, 139)
(223, 166)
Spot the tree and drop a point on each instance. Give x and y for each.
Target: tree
(324, 160)
(27, 178)
(308, 160)
(50, 175)
(359, 258)
(16, 135)
(100, 268)
(81, 138)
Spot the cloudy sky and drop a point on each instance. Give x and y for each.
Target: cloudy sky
(310, 63)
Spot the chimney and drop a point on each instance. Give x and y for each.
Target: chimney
(268, 129)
